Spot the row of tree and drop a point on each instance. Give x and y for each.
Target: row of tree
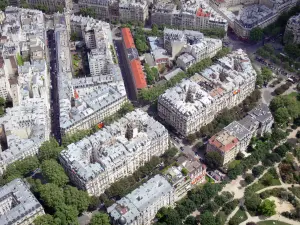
(125, 185)
(282, 88)
(226, 116)
(151, 95)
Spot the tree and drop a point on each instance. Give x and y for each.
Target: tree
(45, 219)
(288, 37)
(282, 116)
(184, 171)
(268, 208)
(278, 135)
(52, 195)
(3, 5)
(266, 73)
(292, 50)
(252, 201)
(94, 203)
(126, 108)
(213, 159)
(190, 220)
(100, 219)
(249, 178)
(54, 172)
(21, 168)
(256, 34)
(2, 101)
(221, 218)
(191, 138)
(49, 150)
(67, 214)
(207, 218)
(77, 198)
(169, 216)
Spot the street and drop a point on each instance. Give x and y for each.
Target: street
(55, 126)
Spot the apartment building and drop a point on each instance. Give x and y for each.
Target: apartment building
(2, 16)
(263, 115)
(116, 151)
(185, 60)
(112, 10)
(4, 83)
(225, 144)
(99, 61)
(52, 5)
(85, 102)
(101, 7)
(141, 205)
(237, 135)
(243, 135)
(18, 205)
(249, 14)
(195, 102)
(190, 44)
(26, 125)
(293, 28)
(25, 128)
(133, 60)
(186, 175)
(193, 15)
(133, 10)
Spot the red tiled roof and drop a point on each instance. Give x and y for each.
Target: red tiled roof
(224, 148)
(138, 74)
(127, 38)
(200, 13)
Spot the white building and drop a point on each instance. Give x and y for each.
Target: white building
(195, 102)
(18, 205)
(185, 60)
(293, 26)
(99, 61)
(2, 16)
(25, 128)
(193, 15)
(237, 135)
(244, 15)
(141, 205)
(133, 10)
(85, 102)
(114, 152)
(27, 125)
(192, 42)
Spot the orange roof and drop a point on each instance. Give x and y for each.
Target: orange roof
(127, 38)
(223, 147)
(200, 13)
(138, 74)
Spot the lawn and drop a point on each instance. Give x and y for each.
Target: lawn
(269, 179)
(272, 222)
(240, 216)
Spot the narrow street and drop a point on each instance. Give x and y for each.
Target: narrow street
(55, 126)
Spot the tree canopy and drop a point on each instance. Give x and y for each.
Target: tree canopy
(54, 173)
(268, 208)
(256, 34)
(213, 159)
(100, 219)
